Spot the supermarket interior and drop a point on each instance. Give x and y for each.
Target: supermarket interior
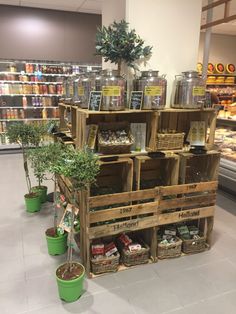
(118, 156)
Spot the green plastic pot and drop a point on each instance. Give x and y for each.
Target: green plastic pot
(71, 290)
(32, 202)
(42, 191)
(57, 245)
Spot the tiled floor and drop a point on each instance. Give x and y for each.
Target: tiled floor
(203, 283)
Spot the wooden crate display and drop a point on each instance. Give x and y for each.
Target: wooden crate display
(189, 205)
(114, 177)
(199, 168)
(179, 120)
(85, 118)
(156, 171)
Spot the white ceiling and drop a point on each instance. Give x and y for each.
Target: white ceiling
(86, 6)
(95, 7)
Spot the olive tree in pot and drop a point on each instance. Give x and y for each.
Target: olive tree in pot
(39, 163)
(56, 238)
(27, 136)
(81, 167)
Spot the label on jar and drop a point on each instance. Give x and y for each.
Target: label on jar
(80, 91)
(71, 91)
(153, 91)
(199, 91)
(111, 90)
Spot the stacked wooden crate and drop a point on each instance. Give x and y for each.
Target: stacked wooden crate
(140, 192)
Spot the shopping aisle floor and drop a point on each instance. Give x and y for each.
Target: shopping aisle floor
(204, 283)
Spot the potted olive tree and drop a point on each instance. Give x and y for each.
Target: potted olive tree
(119, 44)
(39, 163)
(56, 238)
(81, 167)
(27, 136)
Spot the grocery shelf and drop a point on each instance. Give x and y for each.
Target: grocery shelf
(220, 84)
(29, 82)
(28, 119)
(34, 74)
(46, 95)
(49, 107)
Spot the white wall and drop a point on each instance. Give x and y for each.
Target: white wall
(172, 27)
(222, 48)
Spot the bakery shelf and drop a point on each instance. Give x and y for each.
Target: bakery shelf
(226, 122)
(28, 107)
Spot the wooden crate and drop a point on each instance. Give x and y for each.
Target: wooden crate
(179, 120)
(184, 203)
(86, 118)
(113, 221)
(156, 171)
(116, 175)
(199, 168)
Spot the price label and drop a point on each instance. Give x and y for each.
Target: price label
(199, 91)
(111, 91)
(81, 91)
(153, 91)
(95, 100)
(136, 100)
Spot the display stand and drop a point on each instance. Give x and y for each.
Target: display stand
(142, 204)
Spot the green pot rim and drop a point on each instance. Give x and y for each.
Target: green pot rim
(41, 187)
(28, 198)
(72, 280)
(59, 237)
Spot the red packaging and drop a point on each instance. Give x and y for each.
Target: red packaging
(110, 249)
(125, 240)
(98, 249)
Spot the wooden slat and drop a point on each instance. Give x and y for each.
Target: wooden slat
(124, 197)
(125, 211)
(214, 4)
(220, 21)
(184, 215)
(125, 226)
(199, 200)
(189, 188)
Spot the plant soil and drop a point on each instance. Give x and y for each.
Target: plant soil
(51, 233)
(31, 195)
(64, 273)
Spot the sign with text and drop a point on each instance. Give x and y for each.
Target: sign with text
(95, 100)
(136, 100)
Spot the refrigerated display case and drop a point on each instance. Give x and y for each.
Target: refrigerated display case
(30, 91)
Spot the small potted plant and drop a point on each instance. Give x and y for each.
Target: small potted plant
(117, 44)
(56, 238)
(81, 167)
(27, 136)
(39, 163)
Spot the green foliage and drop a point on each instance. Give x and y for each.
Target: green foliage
(38, 158)
(80, 165)
(25, 135)
(117, 43)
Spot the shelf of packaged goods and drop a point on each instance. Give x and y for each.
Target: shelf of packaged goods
(218, 74)
(28, 119)
(35, 74)
(34, 95)
(31, 82)
(220, 84)
(28, 107)
(226, 122)
(226, 96)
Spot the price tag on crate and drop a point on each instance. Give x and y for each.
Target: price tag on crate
(136, 100)
(95, 100)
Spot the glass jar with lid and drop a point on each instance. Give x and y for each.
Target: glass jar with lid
(113, 88)
(154, 89)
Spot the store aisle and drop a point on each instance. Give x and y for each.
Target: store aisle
(204, 283)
